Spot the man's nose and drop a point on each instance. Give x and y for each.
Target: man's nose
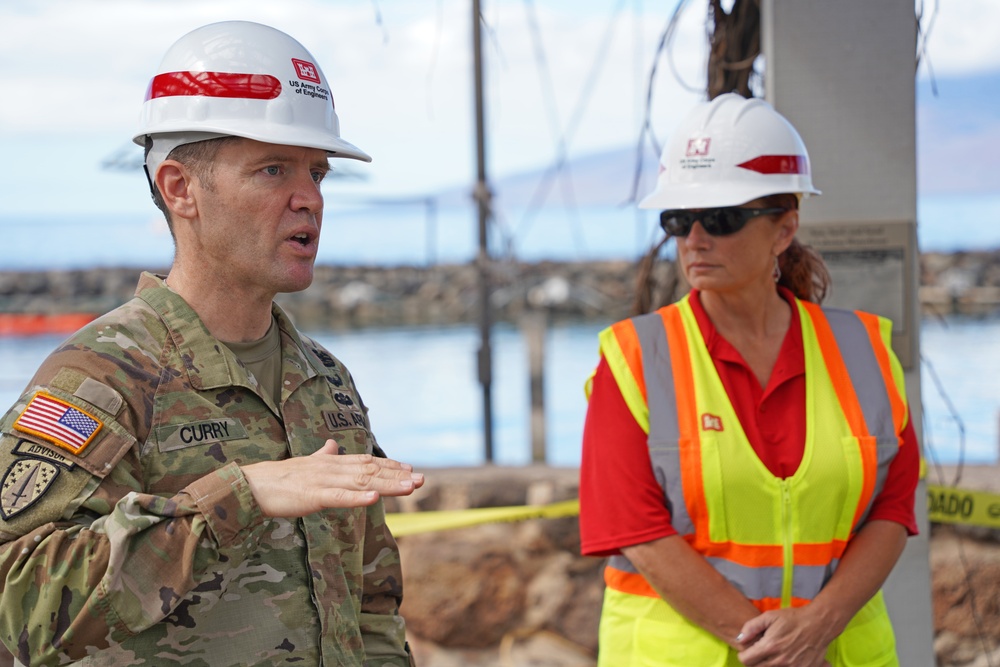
(307, 195)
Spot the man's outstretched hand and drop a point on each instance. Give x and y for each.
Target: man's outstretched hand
(302, 485)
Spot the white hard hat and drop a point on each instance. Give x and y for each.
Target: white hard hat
(727, 152)
(237, 78)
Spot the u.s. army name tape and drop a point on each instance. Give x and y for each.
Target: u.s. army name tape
(975, 508)
(944, 505)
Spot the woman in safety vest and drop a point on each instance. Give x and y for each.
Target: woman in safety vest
(749, 464)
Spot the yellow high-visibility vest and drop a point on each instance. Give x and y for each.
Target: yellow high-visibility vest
(777, 540)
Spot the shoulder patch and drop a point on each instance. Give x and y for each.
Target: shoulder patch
(25, 482)
(35, 450)
(58, 422)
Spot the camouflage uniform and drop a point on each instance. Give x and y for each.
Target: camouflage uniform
(147, 548)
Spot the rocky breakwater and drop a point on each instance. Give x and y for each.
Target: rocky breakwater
(350, 297)
(965, 283)
(343, 297)
(519, 593)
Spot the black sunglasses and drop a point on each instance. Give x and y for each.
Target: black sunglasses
(716, 221)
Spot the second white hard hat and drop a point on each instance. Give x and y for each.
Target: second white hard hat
(727, 152)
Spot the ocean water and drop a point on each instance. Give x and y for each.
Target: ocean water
(420, 386)
(421, 383)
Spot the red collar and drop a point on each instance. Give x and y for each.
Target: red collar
(791, 360)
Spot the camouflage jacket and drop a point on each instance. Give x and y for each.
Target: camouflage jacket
(128, 533)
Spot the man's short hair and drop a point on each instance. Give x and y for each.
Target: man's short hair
(199, 157)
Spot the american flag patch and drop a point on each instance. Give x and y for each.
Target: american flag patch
(58, 422)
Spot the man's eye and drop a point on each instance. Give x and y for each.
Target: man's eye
(318, 176)
(272, 170)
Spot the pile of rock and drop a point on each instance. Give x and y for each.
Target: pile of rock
(520, 593)
(502, 593)
(965, 578)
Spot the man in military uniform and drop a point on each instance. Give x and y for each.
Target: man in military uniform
(189, 480)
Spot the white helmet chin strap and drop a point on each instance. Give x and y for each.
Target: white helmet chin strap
(164, 143)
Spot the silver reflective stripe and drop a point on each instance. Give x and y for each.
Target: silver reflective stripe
(664, 430)
(622, 563)
(664, 438)
(869, 385)
(810, 579)
(755, 583)
(862, 365)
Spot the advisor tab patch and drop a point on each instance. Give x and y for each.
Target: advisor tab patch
(25, 482)
(58, 422)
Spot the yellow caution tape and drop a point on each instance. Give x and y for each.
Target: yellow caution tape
(975, 508)
(411, 523)
(944, 505)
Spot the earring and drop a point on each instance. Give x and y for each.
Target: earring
(776, 274)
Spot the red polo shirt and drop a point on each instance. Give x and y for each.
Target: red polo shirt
(621, 503)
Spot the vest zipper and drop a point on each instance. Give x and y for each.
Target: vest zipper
(788, 566)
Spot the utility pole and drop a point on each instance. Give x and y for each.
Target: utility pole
(482, 195)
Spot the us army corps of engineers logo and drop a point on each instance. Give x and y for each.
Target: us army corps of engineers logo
(24, 483)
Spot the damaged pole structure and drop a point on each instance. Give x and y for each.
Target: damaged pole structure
(844, 73)
(483, 196)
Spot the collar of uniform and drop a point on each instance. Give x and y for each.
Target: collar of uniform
(201, 353)
(207, 364)
(296, 353)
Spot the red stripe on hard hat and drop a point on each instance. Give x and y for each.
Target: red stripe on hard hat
(778, 164)
(214, 84)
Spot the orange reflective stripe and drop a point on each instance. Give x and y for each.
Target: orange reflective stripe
(749, 555)
(621, 348)
(628, 341)
(873, 327)
(632, 583)
(848, 402)
(838, 371)
(818, 554)
(768, 604)
(770, 555)
(687, 422)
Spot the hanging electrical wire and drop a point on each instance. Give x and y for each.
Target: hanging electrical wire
(435, 49)
(954, 415)
(929, 446)
(646, 128)
(552, 111)
(380, 22)
(734, 44)
(923, 35)
(560, 167)
(495, 226)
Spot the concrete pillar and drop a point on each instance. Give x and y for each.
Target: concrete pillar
(843, 73)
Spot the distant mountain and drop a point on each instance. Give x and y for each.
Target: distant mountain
(604, 178)
(958, 151)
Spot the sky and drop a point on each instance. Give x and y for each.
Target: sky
(73, 74)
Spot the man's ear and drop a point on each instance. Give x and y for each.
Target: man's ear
(176, 185)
